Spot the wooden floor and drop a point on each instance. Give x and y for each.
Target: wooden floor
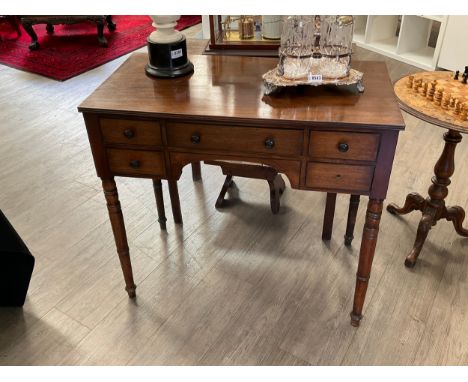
(237, 286)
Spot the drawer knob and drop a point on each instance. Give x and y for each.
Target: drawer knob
(338, 176)
(269, 143)
(135, 163)
(128, 133)
(195, 139)
(343, 147)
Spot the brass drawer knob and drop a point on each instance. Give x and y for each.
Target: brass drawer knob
(135, 163)
(195, 139)
(269, 143)
(343, 147)
(128, 133)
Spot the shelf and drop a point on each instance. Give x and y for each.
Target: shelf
(359, 37)
(388, 45)
(421, 57)
(433, 17)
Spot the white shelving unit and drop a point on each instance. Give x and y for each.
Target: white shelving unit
(406, 38)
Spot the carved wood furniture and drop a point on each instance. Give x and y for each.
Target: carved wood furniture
(433, 207)
(224, 105)
(50, 21)
(231, 169)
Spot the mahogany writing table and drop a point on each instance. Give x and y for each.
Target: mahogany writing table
(322, 138)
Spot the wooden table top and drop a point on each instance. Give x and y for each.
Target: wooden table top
(425, 109)
(231, 87)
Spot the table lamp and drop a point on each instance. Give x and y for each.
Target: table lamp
(167, 49)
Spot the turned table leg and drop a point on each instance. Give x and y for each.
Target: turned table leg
(158, 193)
(175, 201)
(120, 235)
(329, 214)
(351, 222)
(366, 256)
(433, 207)
(196, 171)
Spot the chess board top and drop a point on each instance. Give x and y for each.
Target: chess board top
(420, 106)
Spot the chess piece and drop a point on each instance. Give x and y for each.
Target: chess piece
(452, 102)
(438, 96)
(457, 107)
(465, 78)
(445, 101)
(464, 112)
(423, 89)
(409, 84)
(416, 84)
(431, 90)
(457, 73)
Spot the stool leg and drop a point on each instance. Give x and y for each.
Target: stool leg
(49, 28)
(352, 212)
(277, 187)
(30, 30)
(227, 183)
(158, 193)
(328, 216)
(175, 202)
(110, 24)
(100, 31)
(196, 171)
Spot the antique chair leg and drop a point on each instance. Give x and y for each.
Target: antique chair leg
(352, 213)
(328, 216)
(34, 45)
(49, 28)
(158, 193)
(110, 24)
(175, 201)
(227, 184)
(100, 31)
(196, 171)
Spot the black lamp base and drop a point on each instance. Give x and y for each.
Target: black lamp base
(168, 60)
(169, 73)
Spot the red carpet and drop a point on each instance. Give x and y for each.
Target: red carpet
(73, 49)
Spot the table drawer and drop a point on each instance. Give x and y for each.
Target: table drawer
(235, 139)
(343, 145)
(136, 162)
(339, 176)
(134, 132)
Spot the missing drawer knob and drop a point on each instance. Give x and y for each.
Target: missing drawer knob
(135, 163)
(128, 133)
(343, 147)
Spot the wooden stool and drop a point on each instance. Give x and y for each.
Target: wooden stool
(255, 171)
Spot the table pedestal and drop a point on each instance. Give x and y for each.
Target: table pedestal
(433, 207)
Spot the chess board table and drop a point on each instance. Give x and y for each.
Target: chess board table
(415, 101)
